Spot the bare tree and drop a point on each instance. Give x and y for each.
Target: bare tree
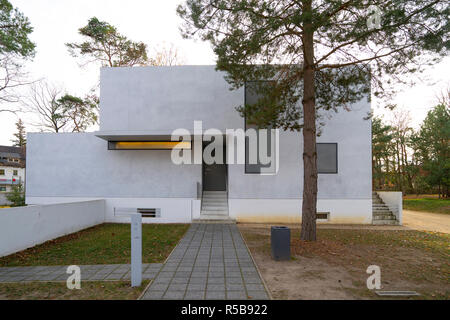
(167, 56)
(443, 97)
(15, 46)
(401, 132)
(11, 78)
(42, 100)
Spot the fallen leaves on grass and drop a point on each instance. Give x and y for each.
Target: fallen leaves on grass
(319, 247)
(102, 244)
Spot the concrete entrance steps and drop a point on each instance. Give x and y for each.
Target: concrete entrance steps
(214, 206)
(214, 220)
(381, 214)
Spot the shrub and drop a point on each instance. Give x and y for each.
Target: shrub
(16, 196)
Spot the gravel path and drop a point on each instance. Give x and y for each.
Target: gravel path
(426, 221)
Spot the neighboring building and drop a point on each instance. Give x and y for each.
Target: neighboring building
(12, 169)
(139, 109)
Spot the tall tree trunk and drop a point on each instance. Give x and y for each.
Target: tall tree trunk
(374, 172)
(402, 160)
(399, 169)
(386, 176)
(381, 177)
(309, 132)
(408, 170)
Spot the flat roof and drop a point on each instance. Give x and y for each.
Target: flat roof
(151, 135)
(165, 135)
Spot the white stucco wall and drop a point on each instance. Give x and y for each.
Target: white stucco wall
(79, 165)
(173, 210)
(166, 98)
(353, 211)
(394, 200)
(84, 169)
(24, 227)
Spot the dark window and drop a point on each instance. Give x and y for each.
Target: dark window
(256, 167)
(327, 158)
(15, 173)
(2, 172)
(252, 96)
(322, 215)
(149, 212)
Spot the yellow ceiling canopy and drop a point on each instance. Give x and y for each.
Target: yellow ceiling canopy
(149, 145)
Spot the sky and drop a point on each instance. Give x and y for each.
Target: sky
(156, 23)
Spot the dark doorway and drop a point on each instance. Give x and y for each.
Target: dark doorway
(214, 175)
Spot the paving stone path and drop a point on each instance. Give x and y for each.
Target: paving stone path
(88, 272)
(210, 262)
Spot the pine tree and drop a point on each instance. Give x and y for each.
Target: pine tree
(20, 139)
(16, 196)
(322, 54)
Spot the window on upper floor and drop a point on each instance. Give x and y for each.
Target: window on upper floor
(2, 172)
(327, 158)
(253, 96)
(15, 172)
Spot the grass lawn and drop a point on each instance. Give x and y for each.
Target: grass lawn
(102, 244)
(335, 266)
(428, 205)
(94, 290)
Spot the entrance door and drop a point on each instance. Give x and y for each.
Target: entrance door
(214, 175)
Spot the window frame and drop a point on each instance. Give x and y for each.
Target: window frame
(337, 157)
(245, 130)
(4, 172)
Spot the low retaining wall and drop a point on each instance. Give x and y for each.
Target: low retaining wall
(173, 210)
(394, 200)
(3, 200)
(24, 227)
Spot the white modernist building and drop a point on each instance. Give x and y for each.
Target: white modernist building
(128, 161)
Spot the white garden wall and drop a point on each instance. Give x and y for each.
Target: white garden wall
(173, 210)
(25, 227)
(394, 200)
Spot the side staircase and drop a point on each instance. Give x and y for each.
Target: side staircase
(382, 215)
(214, 207)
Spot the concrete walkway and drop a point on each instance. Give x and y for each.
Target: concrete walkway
(88, 272)
(427, 221)
(210, 262)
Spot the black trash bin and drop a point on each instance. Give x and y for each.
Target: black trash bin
(281, 242)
